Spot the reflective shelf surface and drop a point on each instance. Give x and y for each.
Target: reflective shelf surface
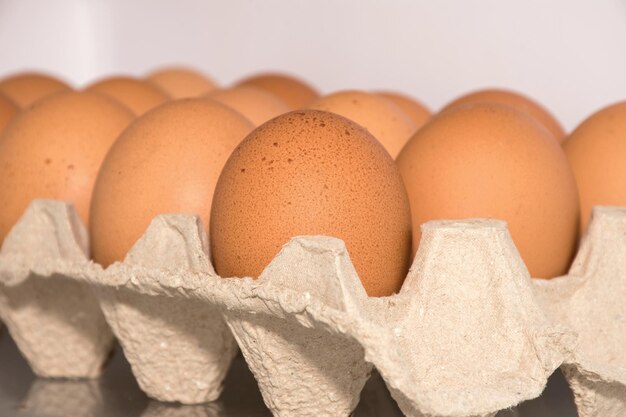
(116, 394)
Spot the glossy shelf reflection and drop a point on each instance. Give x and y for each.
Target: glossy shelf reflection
(116, 394)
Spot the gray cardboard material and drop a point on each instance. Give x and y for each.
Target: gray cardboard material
(591, 299)
(308, 335)
(52, 315)
(469, 334)
(179, 348)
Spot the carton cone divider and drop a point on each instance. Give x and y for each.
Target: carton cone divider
(179, 349)
(469, 338)
(591, 300)
(51, 313)
(302, 369)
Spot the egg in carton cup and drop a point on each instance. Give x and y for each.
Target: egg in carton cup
(467, 335)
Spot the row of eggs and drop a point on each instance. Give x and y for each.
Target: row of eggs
(269, 158)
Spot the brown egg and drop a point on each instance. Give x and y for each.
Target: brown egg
(139, 96)
(256, 104)
(386, 121)
(492, 161)
(54, 149)
(296, 93)
(8, 110)
(167, 161)
(517, 101)
(27, 87)
(180, 82)
(596, 151)
(312, 173)
(418, 112)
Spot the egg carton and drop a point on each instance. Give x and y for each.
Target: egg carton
(179, 347)
(54, 318)
(591, 300)
(469, 334)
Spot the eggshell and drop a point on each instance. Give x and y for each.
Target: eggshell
(517, 101)
(295, 92)
(596, 151)
(493, 161)
(8, 109)
(181, 82)
(312, 173)
(167, 161)
(254, 103)
(417, 111)
(138, 95)
(54, 149)
(381, 117)
(27, 87)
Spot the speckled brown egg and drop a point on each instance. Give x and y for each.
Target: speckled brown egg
(516, 100)
(492, 161)
(312, 173)
(27, 87)
(138, 95)
(596, 150)
(417, 111)
(8, 110)
(295, 92)
(386, 121)
(256, 104)
(54, 149)
(167, 161)
(181, 82)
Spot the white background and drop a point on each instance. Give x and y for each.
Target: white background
(570, 55)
